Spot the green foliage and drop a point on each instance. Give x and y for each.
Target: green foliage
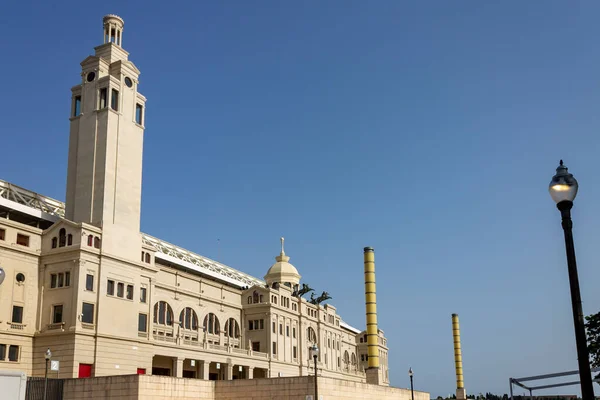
(592, 326)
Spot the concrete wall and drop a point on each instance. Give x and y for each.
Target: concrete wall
(147, 387)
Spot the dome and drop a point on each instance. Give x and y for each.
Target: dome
(282, 271)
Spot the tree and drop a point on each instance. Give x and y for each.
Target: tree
(592, 326)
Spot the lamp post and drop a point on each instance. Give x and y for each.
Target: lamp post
(314, 352)
(563, 189)
(410, 374)
(47, 356)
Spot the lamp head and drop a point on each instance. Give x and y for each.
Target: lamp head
(2, 275)
(314, 351)
(48, 354)
(410, 372)
(563, 186)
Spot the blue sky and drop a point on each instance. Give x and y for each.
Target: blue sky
(428, 130)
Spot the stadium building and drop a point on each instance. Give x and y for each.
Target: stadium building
(107, 299)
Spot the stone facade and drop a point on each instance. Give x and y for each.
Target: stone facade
(165, 388)
(106, 299)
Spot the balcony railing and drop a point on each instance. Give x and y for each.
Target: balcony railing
(57, 325)
(16, 325)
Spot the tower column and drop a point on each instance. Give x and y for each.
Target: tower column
(460, 385)
(373, 375)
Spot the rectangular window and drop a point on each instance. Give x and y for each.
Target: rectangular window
(103, 96)
(255, 346)
(52, 281)
(274, 348)
(294, 333)
(129, 292)
(120, 289)
(142, 295)
(250, 325)
(61, 280)
(77, 106)
(17, 314)
(22, 240)
(13, 353)
(139, 110)
(280, 329)
(2, 352)
(89, 282)
(262, 324)
(287, 331)
(110, 287)
(87, 313)
(114, 100)
(57, 314)
(294, 352)
(2, 234)
(67, 279)
(142, 323)
(274, 329)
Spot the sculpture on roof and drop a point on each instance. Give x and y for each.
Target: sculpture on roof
(324, 296)
(305, 290)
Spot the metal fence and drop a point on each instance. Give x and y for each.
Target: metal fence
(35, 389)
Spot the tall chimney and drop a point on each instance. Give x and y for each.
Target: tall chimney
(460, 385)
(371, 308)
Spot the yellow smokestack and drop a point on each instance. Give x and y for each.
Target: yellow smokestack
(460, 384)
(371, 303)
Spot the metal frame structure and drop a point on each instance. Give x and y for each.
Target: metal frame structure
(519, 381)
(36, 205)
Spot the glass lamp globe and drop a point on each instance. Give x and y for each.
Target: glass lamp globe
(314, 351)
(48, 354)
(563, 186)
(410, 372)
(2, 275)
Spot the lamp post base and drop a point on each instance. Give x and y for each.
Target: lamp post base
(461, 394)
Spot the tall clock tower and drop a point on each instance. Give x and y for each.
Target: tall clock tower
(104, 176)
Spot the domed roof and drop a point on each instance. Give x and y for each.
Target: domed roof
(282, 271)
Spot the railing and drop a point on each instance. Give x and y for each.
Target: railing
(259, 354)
(167, 339)
(85, 325)
(58, 325)
(217, 347)
(16, 325)
(239, 351)
(143, 334)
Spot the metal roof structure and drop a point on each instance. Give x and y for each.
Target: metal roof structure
(36, 205)
(25, 201)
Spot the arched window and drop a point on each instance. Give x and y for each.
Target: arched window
(346, 358)
(255, 297)
(211, 324)
(148, 258)
(62, 237)
(97, 242)
(90, 240)
(188, 319)
(54, 242)
(311, 335)
(353, 358)
(143, 253)
(163, 313)
(232, 328)
(69, 239)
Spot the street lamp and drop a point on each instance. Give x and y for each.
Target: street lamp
(563, 189)
(314, 352)
(47, 356)
(410, 374)
(2, 275)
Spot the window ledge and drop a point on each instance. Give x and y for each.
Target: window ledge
(86, 325)
(16, 325)
(58, 325)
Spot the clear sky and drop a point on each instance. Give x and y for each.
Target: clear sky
(428, 130)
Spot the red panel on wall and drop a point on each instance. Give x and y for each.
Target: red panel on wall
(85, 370)
(141, 371)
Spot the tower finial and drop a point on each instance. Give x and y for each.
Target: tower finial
(561, 163)
(282, 240)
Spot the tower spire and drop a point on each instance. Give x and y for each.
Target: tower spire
(282, 240)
